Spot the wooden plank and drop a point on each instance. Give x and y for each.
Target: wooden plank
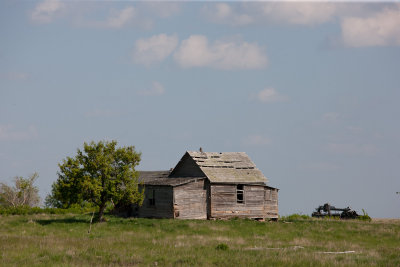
(223, 188)
(256, 204)
(190, 201)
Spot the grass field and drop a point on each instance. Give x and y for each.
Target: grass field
(63, 240)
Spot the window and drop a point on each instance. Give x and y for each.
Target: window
(267, 194)
(239, 193)
(152, 197)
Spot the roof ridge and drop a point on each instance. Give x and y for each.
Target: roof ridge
(195, 151)
(154, 171)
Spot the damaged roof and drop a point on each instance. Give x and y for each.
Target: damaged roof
(145, 176)
(228, 167)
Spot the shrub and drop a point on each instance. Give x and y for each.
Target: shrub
(364, 217)
(20, 210)
(23, 193)
(26, 210)
(222, 246)
(295, 217)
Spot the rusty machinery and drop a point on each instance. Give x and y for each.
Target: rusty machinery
(331, 211)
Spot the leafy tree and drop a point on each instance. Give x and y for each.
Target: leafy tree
(23, 193)
(99, 173)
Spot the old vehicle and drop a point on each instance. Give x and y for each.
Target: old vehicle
(331, 211)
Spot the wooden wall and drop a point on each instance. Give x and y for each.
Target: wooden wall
(202, 200)
(190, 201)
(224, 201)
(163, 207)
(271, 203)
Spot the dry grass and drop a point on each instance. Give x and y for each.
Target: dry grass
(62, 240)
(386, 221)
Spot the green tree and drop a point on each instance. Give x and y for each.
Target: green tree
(23, 193)
(99, 173)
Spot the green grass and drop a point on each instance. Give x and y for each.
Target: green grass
(63, 240)
(26, 210)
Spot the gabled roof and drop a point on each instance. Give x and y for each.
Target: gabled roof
(161, 178)
(228, 167)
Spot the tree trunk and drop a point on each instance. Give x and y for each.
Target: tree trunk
(101, 212)
(102, 198)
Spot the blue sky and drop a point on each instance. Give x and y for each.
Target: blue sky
(309, 90)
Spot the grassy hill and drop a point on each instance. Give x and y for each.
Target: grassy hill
(63, 240)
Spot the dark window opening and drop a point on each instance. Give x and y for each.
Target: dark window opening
(240, 193)
(152, 197)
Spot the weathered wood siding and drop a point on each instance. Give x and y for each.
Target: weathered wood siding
(224, 201)
(271, 203)
(190, 201)
(163, 206)
(187, 167)
(202, 200)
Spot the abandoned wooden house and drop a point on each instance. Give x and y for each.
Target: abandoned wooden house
(207, 185)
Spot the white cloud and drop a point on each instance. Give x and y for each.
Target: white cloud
(15, 76)
(303, 13)
(224, 13)
(256, 140)
(100, 113)
(285, 12)
(162, 9)
(8, 133)
(45, 11)
(354, 129)
(197, 52)
(269, 95)
(87, 14)
(154, 49)
(155, 90)
(118, 19)
(331, 117)
(352, 149)
(380, 29)
(115, 20)
(320, 166)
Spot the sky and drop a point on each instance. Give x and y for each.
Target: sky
(309, 90)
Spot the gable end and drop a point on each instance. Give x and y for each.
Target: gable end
(187, 167)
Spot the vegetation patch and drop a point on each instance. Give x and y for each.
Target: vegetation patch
(295, 217)
(26, 210)
(63, 240)
(365, 216)
(222, 246)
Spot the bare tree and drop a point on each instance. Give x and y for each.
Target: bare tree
(23, 193)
